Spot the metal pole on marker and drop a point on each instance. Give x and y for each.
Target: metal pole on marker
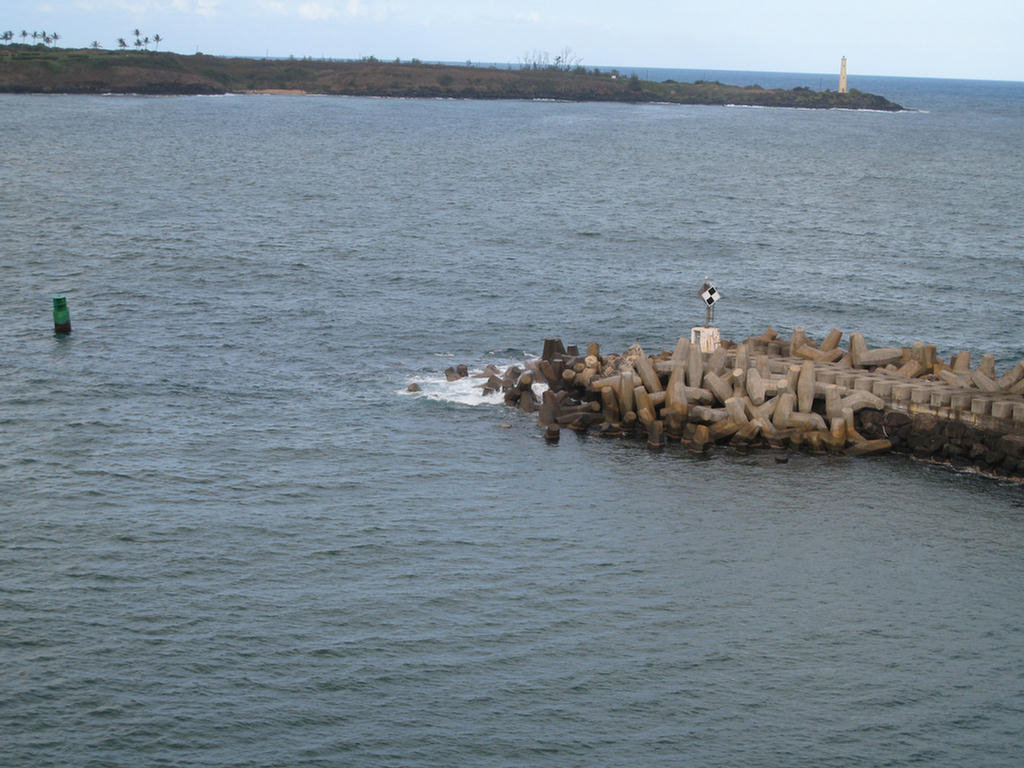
(707, 337)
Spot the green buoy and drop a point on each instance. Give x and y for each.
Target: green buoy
(61, 315)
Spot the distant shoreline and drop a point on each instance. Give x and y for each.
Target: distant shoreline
(39, 69)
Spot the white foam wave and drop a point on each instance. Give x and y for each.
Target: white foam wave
(819, 109)
(466, 391)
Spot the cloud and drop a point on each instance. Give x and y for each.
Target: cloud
(320, 10)
(205, 7)
(142, 7)
(317, 11)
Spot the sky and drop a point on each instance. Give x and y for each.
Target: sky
(981, 39)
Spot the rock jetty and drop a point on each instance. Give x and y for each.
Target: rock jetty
(772, 392)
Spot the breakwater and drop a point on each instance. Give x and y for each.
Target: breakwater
(773, 392)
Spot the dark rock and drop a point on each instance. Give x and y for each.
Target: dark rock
(954, 430)
(994, 457)
(869, 423)
(894, 419)
(1012, 445)
(925, 437)
(952, 450)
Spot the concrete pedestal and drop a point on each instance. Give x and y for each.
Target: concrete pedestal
(707, 338)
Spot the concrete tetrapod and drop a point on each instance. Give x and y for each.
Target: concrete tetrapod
(750, 395)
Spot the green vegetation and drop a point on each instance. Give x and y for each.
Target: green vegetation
(44, 38)
(40, 69)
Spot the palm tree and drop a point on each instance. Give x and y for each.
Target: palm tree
(54, 37)
(136, 33)
(24, 36)
(95, 45)
(156, 41)
(137, 43)
(7, 36)
(145, 42)
(121, 43)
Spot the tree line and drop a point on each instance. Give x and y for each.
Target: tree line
(46, 38)
(140, 43)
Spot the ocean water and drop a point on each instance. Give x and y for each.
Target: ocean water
(230, 537)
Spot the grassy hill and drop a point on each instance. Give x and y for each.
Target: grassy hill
(38, 69)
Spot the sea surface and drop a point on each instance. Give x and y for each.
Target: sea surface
(229, 536)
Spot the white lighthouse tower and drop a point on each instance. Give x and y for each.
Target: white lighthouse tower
(842, 76)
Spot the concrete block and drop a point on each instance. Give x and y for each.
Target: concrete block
(1012, 376)
(783, 410)
(734, 407)
(721, 388)
(960, 401)
(694, 366)
(987, 366)
(874, 358)
(805, 387)
(882, 388)
(953, 379)
(868, 447)
(716, 360)
(962, 362)
(857, 345)
(832, 340)
(983, 382)
(833, 401)
(911, 369)
(920, 394)
(647, 374)
(755, 386)
(1002, 409)
(808, 353)
(861, 399)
